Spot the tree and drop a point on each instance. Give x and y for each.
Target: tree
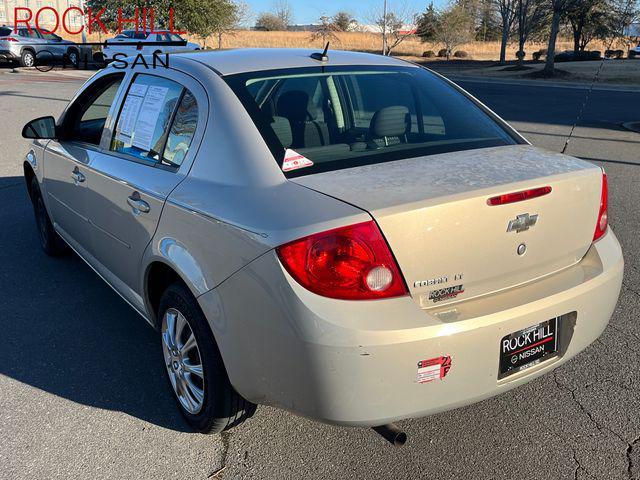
(326, 31)
(113, 9)
(427, 24)
(531, 17)
(391, 22)
(508, 13)
(588, 19)
(282, 9)
(488, 28)
(213, 17)
(343, 21)
(455, 27)
(559, 9)
(270, 22)
(279, 20)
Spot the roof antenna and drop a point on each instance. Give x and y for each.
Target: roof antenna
(321, 57)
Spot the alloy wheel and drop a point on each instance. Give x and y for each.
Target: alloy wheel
(183, 361)
(28, 59)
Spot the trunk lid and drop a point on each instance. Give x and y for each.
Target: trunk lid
(449, 242)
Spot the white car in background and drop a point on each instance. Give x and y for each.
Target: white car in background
(124, 45)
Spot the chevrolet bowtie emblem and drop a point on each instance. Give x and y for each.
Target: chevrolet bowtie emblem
(522, 223)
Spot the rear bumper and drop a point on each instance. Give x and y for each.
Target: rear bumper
(355, 363)
(8, 55)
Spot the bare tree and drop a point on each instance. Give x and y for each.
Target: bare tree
(559, 9)
(531, 17)
(282, 9)
(508, 13)
(269, 22)
(325, 30)
(391, 21)
(455, 27)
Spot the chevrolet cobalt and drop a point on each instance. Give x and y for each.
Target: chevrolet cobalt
(349, 237)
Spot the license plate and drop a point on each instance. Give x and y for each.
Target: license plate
(528, 347)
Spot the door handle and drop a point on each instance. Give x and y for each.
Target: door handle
(77, 176)
(138, 205)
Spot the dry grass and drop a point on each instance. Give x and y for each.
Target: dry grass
(365, 42)
(370, 42)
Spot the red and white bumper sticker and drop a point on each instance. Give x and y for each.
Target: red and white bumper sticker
(433, 369)
(293, 161)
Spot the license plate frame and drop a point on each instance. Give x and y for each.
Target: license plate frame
(528, 347)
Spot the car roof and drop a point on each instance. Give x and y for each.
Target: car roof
(229, 62)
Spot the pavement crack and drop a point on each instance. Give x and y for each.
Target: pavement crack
(578, 466)
(226, 441)
(630, 448)
(585, 410)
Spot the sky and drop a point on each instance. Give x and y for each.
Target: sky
(308, 11)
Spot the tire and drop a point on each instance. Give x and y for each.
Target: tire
(50, 241)
(28, 58)
(221, 407)
(632, 54)
(74, 57)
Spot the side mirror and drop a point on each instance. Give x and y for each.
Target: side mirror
(43, 128)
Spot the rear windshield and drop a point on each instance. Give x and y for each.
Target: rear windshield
(321, 119)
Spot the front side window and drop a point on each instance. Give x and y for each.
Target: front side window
(338, 117)
(86, 117)
(157, 121)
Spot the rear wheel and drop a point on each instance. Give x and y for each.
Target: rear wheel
(194, 367)
(74, 57)
(27, 59)
(50, 241)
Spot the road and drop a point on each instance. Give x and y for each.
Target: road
(82, 393)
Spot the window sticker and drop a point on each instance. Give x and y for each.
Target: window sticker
(148, 117)
(129, 114)
(433, 369)
(293, 161)
(138, 89)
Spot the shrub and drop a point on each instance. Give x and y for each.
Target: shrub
(614, 54)
(442, 52)
(570, 56)
(429, 54)
(520, 54)
(461, 54)
(539, 54)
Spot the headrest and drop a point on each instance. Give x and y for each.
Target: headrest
(390, 122)
(282, 129)
(293, 105)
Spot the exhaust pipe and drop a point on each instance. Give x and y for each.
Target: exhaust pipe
(392, 433)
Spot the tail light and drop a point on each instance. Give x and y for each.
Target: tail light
(349, 263)
(603, 215)
(8, 39)
(139, 47)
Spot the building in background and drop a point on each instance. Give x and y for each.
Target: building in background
(47, 18)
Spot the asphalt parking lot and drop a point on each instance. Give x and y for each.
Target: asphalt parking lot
(82, 392)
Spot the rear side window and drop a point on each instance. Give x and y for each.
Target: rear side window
(182, 131)
(157, 121)
(320, 119)
(5, 32)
